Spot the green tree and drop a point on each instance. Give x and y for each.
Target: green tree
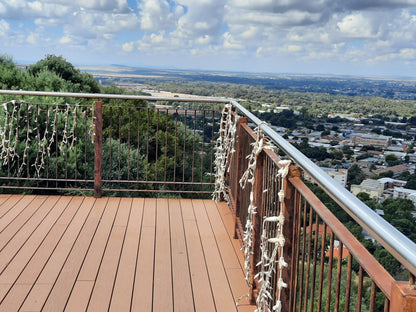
(57, 65)
(392, 160)
(411, 183)
(355, 175)
(12, 78)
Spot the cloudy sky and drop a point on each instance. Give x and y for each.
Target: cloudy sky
(353, 37)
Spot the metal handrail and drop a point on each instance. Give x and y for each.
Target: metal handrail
(116, 96)
(401, 247)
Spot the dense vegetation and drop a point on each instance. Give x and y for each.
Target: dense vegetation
(316, 103)
(54, 139)
(53, 73)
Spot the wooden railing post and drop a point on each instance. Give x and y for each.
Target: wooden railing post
(289, 208)
(239, 171)
(258, 199)
(403, 297)
(98, 148)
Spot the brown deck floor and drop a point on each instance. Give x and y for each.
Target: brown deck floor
(62, 253)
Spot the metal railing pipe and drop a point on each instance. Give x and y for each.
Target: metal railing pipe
(402, 248)
(115, 96)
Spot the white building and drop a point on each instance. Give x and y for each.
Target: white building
(339, 175)
(401, 192)
(372, 187)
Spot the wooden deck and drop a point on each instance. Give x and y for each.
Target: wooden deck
(118, 254)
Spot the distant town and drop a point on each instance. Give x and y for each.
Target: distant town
(365, 153)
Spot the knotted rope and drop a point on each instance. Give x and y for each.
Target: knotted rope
(224, 151)
(267, 263)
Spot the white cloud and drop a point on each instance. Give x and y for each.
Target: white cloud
(293, 48)
(4, 28)
(231, 43)
(128, 46)
(102, 5)
(33, 38)
(65, 40)
(158, 15)
(339, 30)
(206, 39)
(356, 25)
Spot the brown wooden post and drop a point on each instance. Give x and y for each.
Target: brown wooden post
(258, 199)
(98, 148)
(289, 207)
(238, 171)
(403, 297)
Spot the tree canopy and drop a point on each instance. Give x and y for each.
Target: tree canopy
(53, 73)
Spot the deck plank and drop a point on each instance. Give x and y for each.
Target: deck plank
(62, 288)
(13, 209)
(224, 300)
(4, 198)
(162, 280)
(80, 296)
(143, 284)
(12, 226)
(228, 219)
(19, 239)
(9, 202)
(229, 255)
(46, 280)
(201, 286)
(25, 254)
(181, 279)
(103, 288)
(123, 288)
(92, 262)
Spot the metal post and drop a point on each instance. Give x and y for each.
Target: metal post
(98, 148)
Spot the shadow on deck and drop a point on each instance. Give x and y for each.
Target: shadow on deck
(119, 254)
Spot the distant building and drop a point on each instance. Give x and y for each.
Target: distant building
(371, 139)
(401, 192)
(412, 157)
(397, 170)
(389, 183)
(339, 175)
(372, 187)
(339, 251)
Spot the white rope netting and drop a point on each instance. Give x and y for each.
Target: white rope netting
(224, 151)
(248, 177)
(268, 262)
(27, 120)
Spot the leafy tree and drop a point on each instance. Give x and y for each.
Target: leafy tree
(57, 66)
(392, 160)
(336, 154)
(12, 78)
(387, 174)
(355, 175)
(347, 150)
(320, 127)
(411, 183)
(387, 261)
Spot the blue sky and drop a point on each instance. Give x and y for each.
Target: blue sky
(350, 37)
